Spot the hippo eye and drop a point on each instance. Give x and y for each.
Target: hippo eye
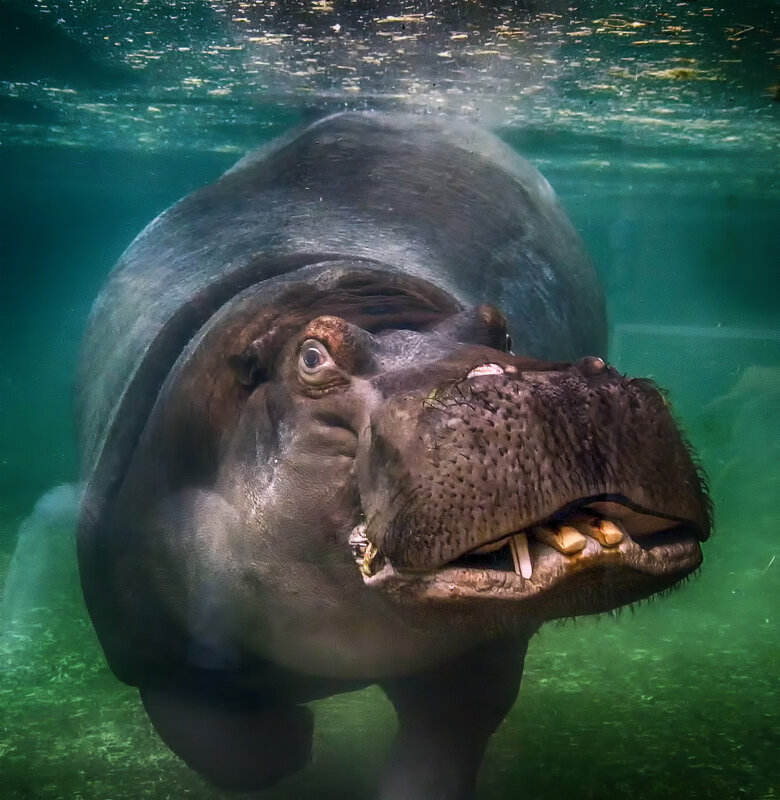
(508, 343)
(312, 357)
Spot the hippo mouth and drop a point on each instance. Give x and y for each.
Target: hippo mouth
(603, 550)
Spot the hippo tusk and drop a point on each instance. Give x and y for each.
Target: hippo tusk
(520, 555)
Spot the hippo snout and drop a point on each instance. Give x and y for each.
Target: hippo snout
(512, 450)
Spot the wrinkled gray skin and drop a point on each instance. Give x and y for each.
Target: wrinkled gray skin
(282, 361)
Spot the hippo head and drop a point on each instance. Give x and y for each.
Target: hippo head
(431, 470)
(355, 480)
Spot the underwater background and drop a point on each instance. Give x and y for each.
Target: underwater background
(657, 125)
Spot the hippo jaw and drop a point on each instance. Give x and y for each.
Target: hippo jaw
(575, 516)
(606, 566)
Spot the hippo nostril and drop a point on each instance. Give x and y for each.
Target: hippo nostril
(592, 365)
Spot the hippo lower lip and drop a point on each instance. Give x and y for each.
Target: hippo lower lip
(564, 552)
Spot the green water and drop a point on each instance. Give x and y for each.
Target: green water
(662, 144)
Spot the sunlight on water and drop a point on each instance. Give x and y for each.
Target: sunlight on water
(135, 74)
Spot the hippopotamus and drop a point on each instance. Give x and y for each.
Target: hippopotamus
(345, 418)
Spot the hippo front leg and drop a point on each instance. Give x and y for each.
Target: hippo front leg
(446, 717)
(236, 744)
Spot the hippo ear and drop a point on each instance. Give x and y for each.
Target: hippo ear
(254, 364)
(250, 366)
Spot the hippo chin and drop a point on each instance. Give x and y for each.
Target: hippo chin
(314, 460)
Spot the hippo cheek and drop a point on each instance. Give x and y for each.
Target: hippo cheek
(564, 491)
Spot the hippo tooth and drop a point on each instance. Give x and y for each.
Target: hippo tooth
(518, 544)
(358, 542)
(565, 539)
(357, 536)
(606, 532)
(486, 369)
(370, 554)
